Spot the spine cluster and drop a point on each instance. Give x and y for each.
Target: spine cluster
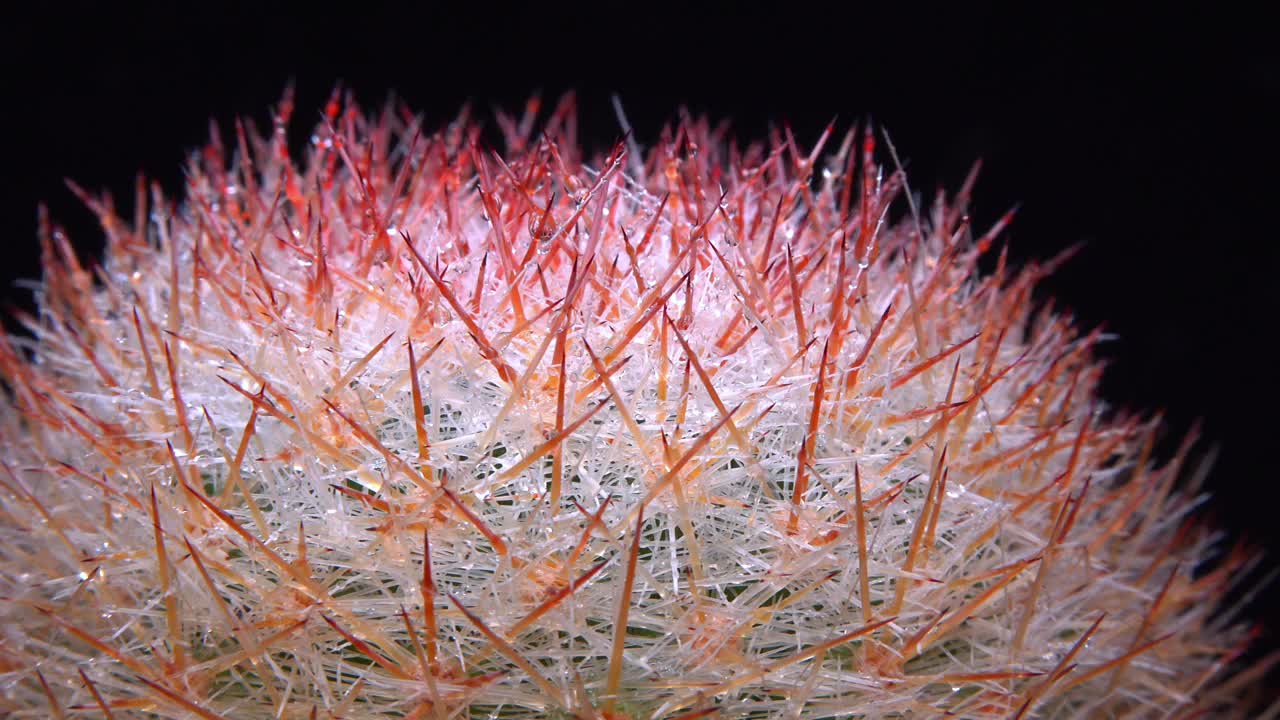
(417, 429)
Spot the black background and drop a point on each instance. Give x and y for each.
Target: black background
(1147, 135)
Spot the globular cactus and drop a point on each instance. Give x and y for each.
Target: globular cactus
(416, 429)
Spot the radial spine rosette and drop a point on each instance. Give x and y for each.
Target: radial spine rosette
(417, 429)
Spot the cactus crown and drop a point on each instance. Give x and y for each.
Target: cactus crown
(415, 429)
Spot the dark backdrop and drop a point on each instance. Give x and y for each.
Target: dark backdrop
(1149, 136)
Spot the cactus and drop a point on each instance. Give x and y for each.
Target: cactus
(414, 429)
